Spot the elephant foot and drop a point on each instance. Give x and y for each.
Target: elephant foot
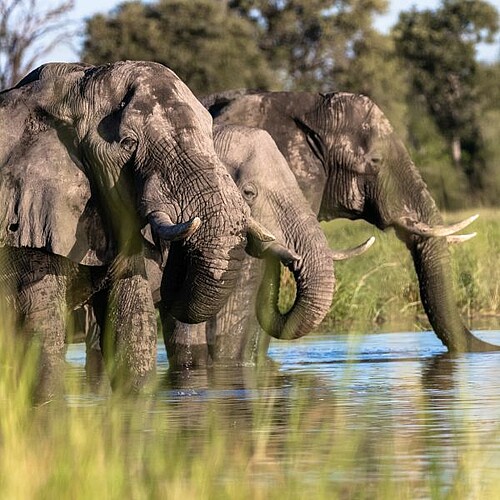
(188, 357)
(49, 380)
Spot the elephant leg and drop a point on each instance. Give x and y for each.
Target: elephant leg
(130, 335)
(186, 345)
(42, 304)
(236, 339)
(234, 334)
(95, 369)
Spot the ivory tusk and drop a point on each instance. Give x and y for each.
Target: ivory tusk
(422, 229)
(258, 231)
(165, 229)
(284, 254)
(459, 238)
(353, 252)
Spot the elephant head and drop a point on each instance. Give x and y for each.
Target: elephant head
(234, 335)
(91, 155)
(350, 163)
(268, 186)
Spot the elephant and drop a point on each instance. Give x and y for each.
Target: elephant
(93, 161)
(234, 335)
(350, 163)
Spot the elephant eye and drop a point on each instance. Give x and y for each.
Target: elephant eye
(249, 192)
(128, 144)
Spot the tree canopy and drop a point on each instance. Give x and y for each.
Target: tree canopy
(310, 42)
(204, 42)
(439, 49)
(424, 74)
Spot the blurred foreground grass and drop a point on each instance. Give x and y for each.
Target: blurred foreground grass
(379, 290)
(266, 446)
(90, 446)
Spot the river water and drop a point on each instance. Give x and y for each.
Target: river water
(369, 405)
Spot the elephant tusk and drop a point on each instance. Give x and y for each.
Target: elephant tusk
(353, 252)
(422, 229)
(284, 254)
(258, 231)
(459, 238)
(168, 231)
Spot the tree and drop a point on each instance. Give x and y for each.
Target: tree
(205, 43)
(310, 42)
(489, 94)
(439, 49)
(27, 32)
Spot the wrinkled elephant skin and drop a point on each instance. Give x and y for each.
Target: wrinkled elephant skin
(234, 335)
(349, 163)
(90, 158)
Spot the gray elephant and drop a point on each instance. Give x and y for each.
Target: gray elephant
(350, 163)
(234, 335)
(90, 157)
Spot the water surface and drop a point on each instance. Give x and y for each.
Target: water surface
(358, 408)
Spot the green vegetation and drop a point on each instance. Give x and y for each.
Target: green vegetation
(315, 442)
(379, 290)
(424, 75)
(87, 446)
(207, 45)
(439, 48)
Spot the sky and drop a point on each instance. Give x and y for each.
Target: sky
(87, 8)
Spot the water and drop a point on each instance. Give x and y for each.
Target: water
(356, 408)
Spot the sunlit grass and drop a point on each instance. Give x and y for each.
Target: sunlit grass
(379, 290)
(304, 445)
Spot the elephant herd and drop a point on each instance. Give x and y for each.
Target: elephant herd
(122, 191)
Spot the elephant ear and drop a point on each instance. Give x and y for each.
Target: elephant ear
(313, 139)
(47, 203)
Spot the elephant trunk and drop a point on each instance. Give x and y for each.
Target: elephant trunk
(432, 264)
(196, 284)
(314, 279)
(202, 269)
(404, 202)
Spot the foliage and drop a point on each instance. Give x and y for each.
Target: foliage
(430, 152)
(489, 95)
(432, 88)
(439, 47)
(375, 71)
(29, 30)
(273, 434)
(310, 42)
(207, 45)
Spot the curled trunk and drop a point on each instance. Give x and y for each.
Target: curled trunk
(202, 269)
(314, 279)
(196, 284)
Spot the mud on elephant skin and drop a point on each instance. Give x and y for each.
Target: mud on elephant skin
(350, 163)
(89, 155)
(235, 335)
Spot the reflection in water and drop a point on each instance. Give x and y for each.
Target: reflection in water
(356, 408)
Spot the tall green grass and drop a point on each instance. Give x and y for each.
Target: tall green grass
(304, 445)
(379, 291)
(267, 446)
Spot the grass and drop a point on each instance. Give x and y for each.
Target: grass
(264, 447)
(300, 446)
(379, 290)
